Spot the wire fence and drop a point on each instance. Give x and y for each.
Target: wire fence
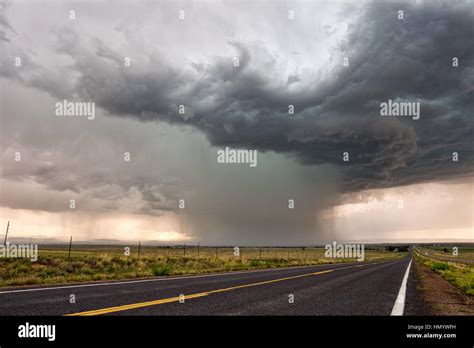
(206, 252)
(70, 250)
(430, 254)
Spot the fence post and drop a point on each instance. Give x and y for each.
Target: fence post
(69, 252)
(6, 233)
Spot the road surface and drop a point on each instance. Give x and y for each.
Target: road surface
(337, 289)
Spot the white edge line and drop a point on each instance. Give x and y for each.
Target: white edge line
(399, 305)
(173, 278)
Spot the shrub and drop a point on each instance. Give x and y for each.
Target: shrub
(440, 266)
(160, 270)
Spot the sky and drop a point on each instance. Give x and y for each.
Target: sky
(333, 62)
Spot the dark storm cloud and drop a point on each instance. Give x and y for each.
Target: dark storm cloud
(246, 106)
(4, 25)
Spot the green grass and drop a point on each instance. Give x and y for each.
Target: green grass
(439, 266)
(53, 266)
(462, 278)
(460, 275)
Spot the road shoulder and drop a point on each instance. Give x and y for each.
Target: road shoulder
(441, 297)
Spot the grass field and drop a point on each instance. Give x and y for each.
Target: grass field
(89, 263)
(447, 251)
(459, 274)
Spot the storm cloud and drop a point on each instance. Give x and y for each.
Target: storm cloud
(336, 110)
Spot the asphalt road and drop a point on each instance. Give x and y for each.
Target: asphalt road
(342, 289)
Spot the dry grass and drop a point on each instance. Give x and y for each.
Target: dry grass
(91, 264)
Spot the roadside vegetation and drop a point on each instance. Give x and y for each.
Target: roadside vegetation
(461, 275)
(55, 266)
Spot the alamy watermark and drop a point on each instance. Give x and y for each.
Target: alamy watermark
(345, 251)
(68, 108)
(229, 155)
(394, 108)
(37, 331)
(25, 251)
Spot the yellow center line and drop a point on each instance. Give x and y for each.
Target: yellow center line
(267, 282)
(201, 294)
(134, 305)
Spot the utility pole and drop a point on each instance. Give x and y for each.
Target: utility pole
(69, 252)
(139, 247)
(184, 249)
(199, 244)
(6, 233)
(217, 253)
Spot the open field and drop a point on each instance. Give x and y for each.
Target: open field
(89, 263)
(464, 253)
(457, 270)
